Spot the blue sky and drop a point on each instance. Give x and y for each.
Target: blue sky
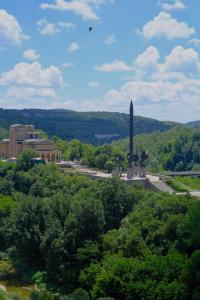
(145, 50)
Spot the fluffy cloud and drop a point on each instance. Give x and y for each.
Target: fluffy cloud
(166, 89)
(111, 39)
(177, 65)
(165, 25)
(33, 75)
(79, 7)
(195, 42)
(83, 8)
(181, 60)
(158, 99)
(115, 66)
(73, 47)
(93, 84)
(148, 59)
(143, 91)
(49, 28)
(170, 6)
(10, 30)
(30, 82)
(31, 54)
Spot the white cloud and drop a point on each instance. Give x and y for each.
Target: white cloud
(68, 65)
(49, 28)
(176, 101)
(170, 6)
(165, 25)
(143, 90)
(25, 74)
(115, 66)
(73, 47)
(93, 84)
(31, 54)
(195, 42)
(66, 25)
(148, 59)
(181, 60)
(158, 99)
(163, 91)
(99, 2)
(111, 39)
(10, 30)
(83, 8)
(28, 93)
(177, 65)
(79, 7)
(28, 85)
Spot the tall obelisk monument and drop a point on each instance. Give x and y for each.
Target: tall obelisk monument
(131, 130)
(130, 155)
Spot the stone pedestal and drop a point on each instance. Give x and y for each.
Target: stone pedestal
(142, 172)
(117, 172)
(130, 173)
(135, 171)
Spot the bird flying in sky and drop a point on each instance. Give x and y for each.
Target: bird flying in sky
(90, 29)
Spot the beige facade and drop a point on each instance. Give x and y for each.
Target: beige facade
(25, 137)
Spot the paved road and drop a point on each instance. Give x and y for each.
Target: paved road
(194, 193)
(153, 178)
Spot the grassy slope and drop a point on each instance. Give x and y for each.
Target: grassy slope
(184, 184)
(4, 296)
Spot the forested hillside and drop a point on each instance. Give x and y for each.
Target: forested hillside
(82, 239)
(177, 149)
(91, 127)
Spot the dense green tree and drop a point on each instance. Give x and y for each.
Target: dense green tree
(89, 252)
(121, 278)
(23, 181)
(6, 186)
(24, 162)
(192, 275)
(189, 229)
(78, 294)
(52, 242)
(27, 225)
(116, 201)
(41, 295)
(109, 166)
(74, 150)
(7, 205)
(85, 220)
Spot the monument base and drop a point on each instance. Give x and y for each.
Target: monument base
(135, 171)
(130, 173)
(142, 172)
(117, 172)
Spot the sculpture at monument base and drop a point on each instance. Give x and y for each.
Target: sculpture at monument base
(118, 169)
(141, 166)
(117, 172)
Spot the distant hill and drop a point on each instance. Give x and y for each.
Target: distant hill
(194, 124)
(90, 127)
